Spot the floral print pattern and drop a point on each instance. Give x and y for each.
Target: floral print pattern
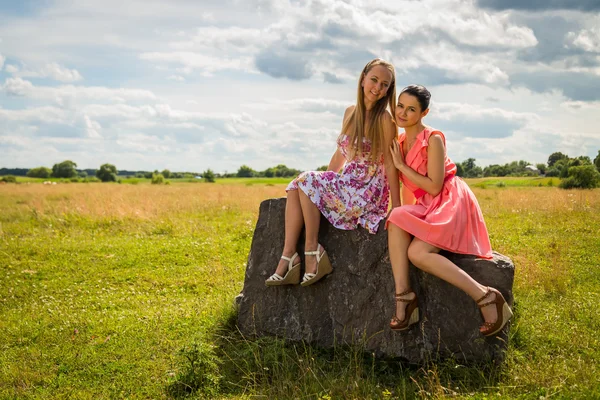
(359, 195)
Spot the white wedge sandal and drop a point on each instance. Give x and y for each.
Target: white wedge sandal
(323, 266)
(292, 276)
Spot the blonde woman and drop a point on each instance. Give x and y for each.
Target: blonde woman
(354, 191)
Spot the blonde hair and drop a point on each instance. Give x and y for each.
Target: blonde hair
(374, 132)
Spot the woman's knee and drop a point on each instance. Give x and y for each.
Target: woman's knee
(416, 253)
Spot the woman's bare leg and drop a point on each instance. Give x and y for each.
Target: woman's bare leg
(398, 242)
(312, 219)
(294, 221)
(425, 257)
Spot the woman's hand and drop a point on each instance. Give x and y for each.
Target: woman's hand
(396, 155)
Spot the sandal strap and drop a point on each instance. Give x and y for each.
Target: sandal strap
(290, 260)
(399, 296)
(317, 253)
(308, 276)
(485, 296)
(487, 303)
(275, 277)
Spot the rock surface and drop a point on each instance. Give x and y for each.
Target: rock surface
(355, 303)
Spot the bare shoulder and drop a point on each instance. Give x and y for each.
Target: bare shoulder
(436, 140)
(387, 116)
(390, 130)
(349, 111)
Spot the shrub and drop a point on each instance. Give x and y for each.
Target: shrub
(157, 179)
(209, 175)
(107, 173)
(581, 177)
(65, 169)
(40, 172)
(9, 179)
(201, 373)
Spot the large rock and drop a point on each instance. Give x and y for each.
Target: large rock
(355, 303)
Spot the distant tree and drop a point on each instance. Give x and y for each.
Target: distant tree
(562, 166)
(148, 175)
(541, 167)
(270, 172)
(597, 161)
(40, 172)
(107, 173)
(14, 171)
(83, 174)
(460, 171)
(470, 169)
(65, 169)
(209, 175)
(554, 157)
(166, 173)
(581, 177)
(469, 164)
(584, 160)
(323, 168)
(552, 172)
(495, 170)
(245, 172)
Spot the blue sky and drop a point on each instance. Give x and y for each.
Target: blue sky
(190, 85)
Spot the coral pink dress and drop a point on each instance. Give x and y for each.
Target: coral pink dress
(452, 220)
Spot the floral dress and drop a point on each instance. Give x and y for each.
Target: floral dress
(359, 195)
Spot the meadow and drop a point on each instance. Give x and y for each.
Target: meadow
(126, 291)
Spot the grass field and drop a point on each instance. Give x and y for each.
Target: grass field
(126, 291)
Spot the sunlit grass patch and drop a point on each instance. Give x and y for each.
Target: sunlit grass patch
(108, 291)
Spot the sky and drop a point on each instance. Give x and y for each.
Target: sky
(189, 85)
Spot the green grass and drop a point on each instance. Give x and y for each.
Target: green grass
(126, 291)
(510, 181)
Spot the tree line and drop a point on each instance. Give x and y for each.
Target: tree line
(575, 172)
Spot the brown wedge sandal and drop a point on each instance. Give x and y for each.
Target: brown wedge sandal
(323, 266)
(411, 313)
(503, 312)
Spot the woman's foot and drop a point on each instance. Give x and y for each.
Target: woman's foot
(290, 275)
(495, 311)
(317, 265)
(407, 311)
(283, 265)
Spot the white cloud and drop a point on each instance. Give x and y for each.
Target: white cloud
(586, 39)
(11, 69)
(176, 78)
(206, 63)
(2, 59)
(50, 70)
(62, 94)
(93, 128)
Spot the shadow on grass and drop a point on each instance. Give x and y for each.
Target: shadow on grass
(227, 363)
